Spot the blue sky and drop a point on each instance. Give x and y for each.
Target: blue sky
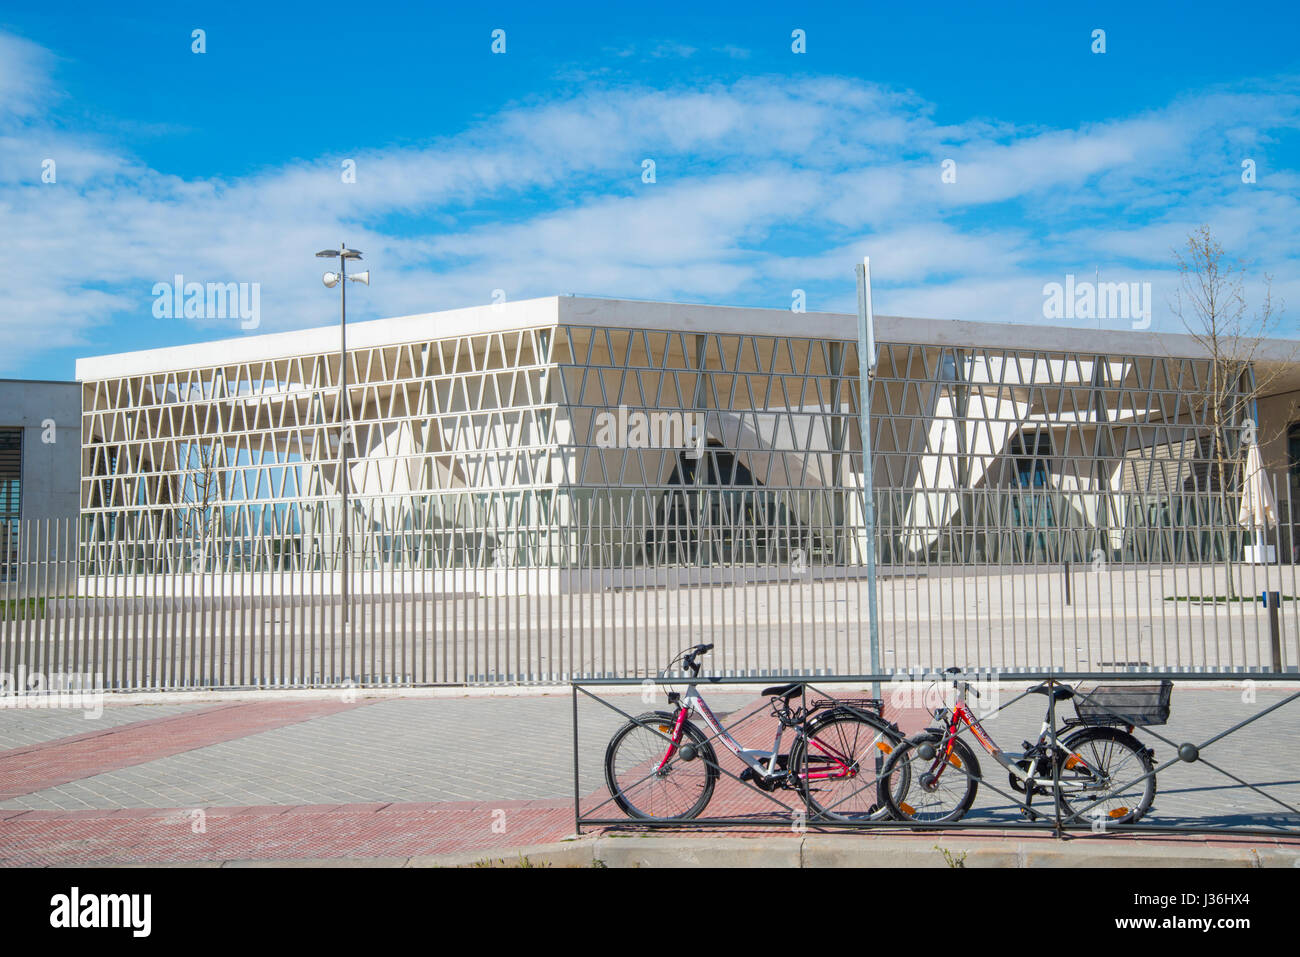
(522, 172)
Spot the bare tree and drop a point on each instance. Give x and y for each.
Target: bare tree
(1212, 306)
(201, 518)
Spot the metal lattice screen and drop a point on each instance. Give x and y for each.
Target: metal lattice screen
(533, 504)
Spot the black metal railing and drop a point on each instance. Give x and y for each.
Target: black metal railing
(1225, 764)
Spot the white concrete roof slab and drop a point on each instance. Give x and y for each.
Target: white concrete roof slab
(668, 316)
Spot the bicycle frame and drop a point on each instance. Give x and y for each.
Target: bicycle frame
(763, 763)
(961, 714)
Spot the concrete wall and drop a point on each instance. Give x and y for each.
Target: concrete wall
(51, 470)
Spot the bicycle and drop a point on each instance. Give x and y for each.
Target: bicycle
(660, 766)
(1112, 783)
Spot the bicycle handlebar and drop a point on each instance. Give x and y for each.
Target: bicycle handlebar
(960, 684)
(689, 662)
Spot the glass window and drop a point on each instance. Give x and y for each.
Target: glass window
(1293, 448)
(11, 474)
(1032, 454)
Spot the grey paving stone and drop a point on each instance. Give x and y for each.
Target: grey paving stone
(20, 727)
(512, 748)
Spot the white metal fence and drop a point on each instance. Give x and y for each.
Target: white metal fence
(776, 583)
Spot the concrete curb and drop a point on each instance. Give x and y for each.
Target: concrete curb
(821, 851)
(232, 695)
(1007, 684)
(832, 851)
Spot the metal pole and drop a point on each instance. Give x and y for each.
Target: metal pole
(343, 418)
(1274, 601)
(866, 365)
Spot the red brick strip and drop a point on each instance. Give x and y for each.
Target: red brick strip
(35, 767)
(399, 830)
(311, 832)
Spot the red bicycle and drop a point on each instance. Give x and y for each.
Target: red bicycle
(1098, 771)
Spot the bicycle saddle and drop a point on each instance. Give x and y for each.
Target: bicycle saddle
(783, 691)
(1059, 692)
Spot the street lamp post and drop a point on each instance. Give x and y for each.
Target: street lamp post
(867, 358)
(341, 279)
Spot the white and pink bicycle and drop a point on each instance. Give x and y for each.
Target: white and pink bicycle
(661, 767)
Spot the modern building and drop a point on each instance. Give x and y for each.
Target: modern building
(40, 446)
(564, 432)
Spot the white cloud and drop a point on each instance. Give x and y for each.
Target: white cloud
(24, 75)
(763, 185)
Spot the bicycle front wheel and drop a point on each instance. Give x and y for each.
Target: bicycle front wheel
(646, 786)
(929, 790)
(837, 765)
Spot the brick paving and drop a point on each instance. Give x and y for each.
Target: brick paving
(400, 777)
(409, 749)
(310, 832)
(39, 766)
(22, 726)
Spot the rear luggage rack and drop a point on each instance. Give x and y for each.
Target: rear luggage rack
(858, 704)
(1139, 705)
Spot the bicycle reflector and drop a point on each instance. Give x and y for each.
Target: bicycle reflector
(1072, 762)
(907, 808)
(885, 747)
(1118, 812)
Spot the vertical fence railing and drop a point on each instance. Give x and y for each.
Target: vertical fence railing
(606, 582)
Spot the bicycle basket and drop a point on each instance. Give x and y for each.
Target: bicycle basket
(1125, 704)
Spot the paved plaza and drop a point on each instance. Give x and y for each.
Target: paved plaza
(364, 777)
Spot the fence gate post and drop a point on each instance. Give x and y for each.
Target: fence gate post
(1273, 601)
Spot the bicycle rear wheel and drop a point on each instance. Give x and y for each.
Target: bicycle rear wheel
(837, 765)
(677, 791)
(1119, 760)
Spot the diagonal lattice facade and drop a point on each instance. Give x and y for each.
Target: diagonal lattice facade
(577, 433)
